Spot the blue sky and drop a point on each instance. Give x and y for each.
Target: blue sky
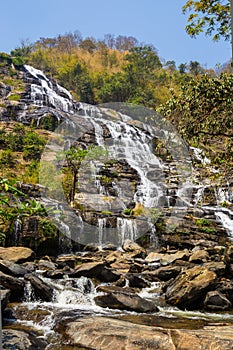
(150, 21)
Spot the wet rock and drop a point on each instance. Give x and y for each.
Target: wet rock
(122, 301)
(136, 281)
(216, 301)
(16, 340)
(199, 256)
(16, 254)
(117, 289)
(15, 285)
(154, 257)
(19, 340)
(108, 275)
(10, 268)
(41, 289)
(190, 287)
(4, 297)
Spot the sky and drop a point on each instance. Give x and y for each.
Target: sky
(156, 22)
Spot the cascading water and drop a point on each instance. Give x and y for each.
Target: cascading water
(127, 229)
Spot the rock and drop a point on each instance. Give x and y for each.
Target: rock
(16, 254)
(91, 269)
(18, 340)
(113, 257)
(108, 275)
(171, 258)
(130, 246)
(122, 301)
(4, 296)
(164, 273)
(225, 286)
(218, 267)
(136, 281)
(166, 259)
(199, 256)
(15, 285)
(46, 265)
(4, 90)
(228, 258)
(190, 287)
(154, 257)
(208, 338)
(116, 289)
(67, 260)
(102, 333)
(10, 268)
(216, 301)
(41, 289)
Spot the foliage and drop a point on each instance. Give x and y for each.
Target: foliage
(14, 204)
(211, 17)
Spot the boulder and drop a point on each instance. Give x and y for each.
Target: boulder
(94, 270)
(189, 288)
(225, 286)
(19, 340)
(10, 268)
(102, 333)
(216, 301)
(66, 260)
(16, 254)
(131, 246)
(124, 301)
(166, 259)
(15, 285)
(199, 256)
(164, 273)
(41, 289)
(136, 281)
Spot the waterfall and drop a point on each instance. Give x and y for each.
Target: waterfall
(44, 92)
(17, 230)
(102, 227)
(133, 145)
(127, 229)
(226, 221)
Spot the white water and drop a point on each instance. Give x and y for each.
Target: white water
(44, 92)
(127, 229)
(102, 228)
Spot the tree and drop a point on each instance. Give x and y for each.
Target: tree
(211, 17)
(195, 68)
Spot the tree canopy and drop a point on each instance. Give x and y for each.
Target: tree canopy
(211, 17)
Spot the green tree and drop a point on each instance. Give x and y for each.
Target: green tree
(211, 17)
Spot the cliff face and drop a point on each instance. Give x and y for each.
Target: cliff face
(125, 172)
